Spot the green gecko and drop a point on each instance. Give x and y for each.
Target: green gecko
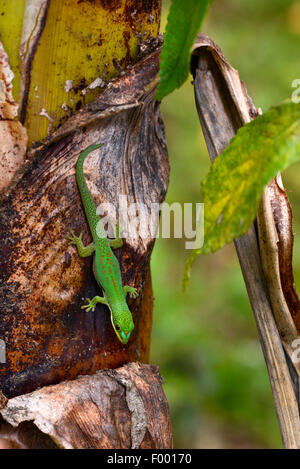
(106, 266)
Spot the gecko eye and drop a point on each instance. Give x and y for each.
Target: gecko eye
(117, 327)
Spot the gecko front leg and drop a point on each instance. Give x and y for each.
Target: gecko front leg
(131, 291)
(83, 251)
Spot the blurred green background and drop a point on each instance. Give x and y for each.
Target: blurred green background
(205, 341)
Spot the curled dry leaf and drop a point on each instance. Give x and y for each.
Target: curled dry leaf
(283, 218)
(13, 137)
(276, 213)
(223, 107)
(276, 246)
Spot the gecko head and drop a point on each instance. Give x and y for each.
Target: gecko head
(123, 325)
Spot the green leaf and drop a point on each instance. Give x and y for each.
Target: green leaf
(184, 21)
(232, 189)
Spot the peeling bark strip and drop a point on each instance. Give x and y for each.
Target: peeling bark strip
(112, 409)
(13, 137)
(34, 23)
(223, 106)
(48, 336)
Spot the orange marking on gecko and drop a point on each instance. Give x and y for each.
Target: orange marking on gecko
(113, 281)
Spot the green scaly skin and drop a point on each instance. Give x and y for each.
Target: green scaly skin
(106, 267)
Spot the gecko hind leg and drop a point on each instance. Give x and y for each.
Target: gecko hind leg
(131, 291)
(83, 251)
(91, 305)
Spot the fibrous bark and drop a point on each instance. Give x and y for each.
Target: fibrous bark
(64, 54)
(112, 409)
(43, 281)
